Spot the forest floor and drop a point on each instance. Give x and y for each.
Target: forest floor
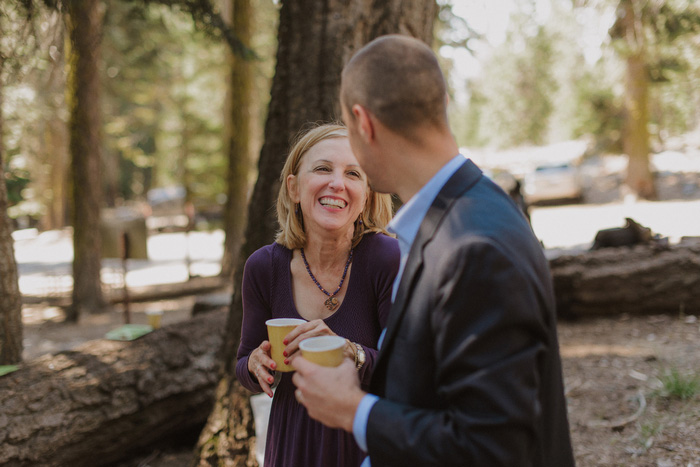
(625, 376)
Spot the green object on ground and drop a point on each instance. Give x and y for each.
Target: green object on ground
(128, 332)
(5, 369)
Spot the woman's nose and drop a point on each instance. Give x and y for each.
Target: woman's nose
(336, 181)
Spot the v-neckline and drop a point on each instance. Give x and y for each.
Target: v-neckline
(350, 280)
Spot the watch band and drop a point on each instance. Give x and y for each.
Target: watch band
(360, 356)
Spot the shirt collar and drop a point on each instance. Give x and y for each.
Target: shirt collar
(409, 217)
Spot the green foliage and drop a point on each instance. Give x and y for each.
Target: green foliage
(163, 88)
(15, 180)
(677, 385)
(647, 433)
(541, 84)
(514, 99)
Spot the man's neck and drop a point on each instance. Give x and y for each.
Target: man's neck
(420, 162)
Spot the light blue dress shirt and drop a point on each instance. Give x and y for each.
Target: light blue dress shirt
(405, 225)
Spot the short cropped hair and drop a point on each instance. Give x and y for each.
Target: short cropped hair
(374, 216)
(398, 79)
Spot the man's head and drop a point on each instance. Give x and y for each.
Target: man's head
(397, 79)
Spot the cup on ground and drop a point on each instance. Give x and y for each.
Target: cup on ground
(154, 317)
(323, 350)
(277, 329)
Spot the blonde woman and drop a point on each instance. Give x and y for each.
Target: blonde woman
(333, 265)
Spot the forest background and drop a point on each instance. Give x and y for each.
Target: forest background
(176, 94)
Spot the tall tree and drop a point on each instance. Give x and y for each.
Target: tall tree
(85, 20)
(55, 142)
(315, 40)
(237, 129)
(10, 298)
(640, 27)
(635, 140)
(15, 23)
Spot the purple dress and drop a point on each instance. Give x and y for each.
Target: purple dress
(293, 438)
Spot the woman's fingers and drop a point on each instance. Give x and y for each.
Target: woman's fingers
(312, 328)
(265, 386)
(261, 357)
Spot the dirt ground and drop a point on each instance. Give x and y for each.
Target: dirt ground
(619, 412)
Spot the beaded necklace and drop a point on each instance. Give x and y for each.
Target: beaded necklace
(331, 302)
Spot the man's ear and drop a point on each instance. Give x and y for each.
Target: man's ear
(293, 188)
(365, 122)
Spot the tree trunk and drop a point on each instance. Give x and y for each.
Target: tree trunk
(10, 298)
(635, 141)
(634, 280)
(238, 136)
(315, 39)
(85, 19)
(107, 400)
(56, 140)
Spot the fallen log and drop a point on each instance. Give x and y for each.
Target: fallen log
(642, 279)
(108, 400)
(196, 285)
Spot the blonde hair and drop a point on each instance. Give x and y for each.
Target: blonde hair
(374, 216)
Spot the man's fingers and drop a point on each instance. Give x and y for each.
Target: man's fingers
(301, 365)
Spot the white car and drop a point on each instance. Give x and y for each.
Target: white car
(553, 183)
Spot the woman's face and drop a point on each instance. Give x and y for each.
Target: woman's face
(330, 186)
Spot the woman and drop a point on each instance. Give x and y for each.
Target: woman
(332, 265)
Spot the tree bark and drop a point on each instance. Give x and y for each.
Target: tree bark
(635, 139)
(10, 298)
(85, 19)
(55, 143)
(238, 136)
(634, 280)
(315, 39)
(106, 401)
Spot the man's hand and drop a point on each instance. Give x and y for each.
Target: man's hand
(331, 395)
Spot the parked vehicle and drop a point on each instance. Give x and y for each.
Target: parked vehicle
(556, 182)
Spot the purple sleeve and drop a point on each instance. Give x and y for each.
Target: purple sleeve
(387, 258)
(256, 310)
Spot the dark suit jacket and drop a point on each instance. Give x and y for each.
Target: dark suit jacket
(469, 371)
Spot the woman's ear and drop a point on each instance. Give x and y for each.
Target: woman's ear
(293, 188)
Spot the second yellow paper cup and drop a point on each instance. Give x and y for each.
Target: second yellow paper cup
(323, 350)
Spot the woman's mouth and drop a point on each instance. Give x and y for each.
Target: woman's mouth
(332, 202)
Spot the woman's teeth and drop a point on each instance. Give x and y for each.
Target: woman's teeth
(339, 203)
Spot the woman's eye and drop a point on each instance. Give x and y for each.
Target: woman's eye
(322, 169)
(353, 173)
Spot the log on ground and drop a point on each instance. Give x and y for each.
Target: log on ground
(107, 400)
(643, 279)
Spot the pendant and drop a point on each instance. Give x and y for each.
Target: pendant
(331, 303)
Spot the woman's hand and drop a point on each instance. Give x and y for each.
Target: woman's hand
(260, 364)
(312, 328)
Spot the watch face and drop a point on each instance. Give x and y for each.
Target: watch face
(360, 356)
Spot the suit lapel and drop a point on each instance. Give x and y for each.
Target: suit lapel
(462, 180)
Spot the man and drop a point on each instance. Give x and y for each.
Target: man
(468, 371)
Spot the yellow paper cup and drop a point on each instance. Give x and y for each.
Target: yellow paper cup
(277, 329)
(323, 350)
(154, 317)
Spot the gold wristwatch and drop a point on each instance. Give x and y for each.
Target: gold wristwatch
(360, 356)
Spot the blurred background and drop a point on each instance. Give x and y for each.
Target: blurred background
(562, 102)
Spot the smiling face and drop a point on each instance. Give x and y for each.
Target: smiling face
(330, 186)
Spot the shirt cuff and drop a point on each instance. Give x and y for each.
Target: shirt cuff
(359, 424)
